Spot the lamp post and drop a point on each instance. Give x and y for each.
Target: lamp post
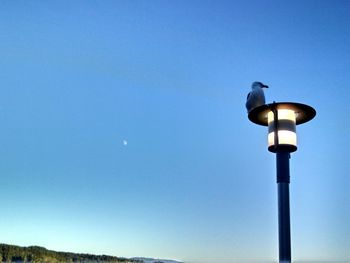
(282, 119)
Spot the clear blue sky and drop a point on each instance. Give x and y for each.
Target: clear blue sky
(195, 181)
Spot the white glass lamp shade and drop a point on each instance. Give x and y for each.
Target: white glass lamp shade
(285, 128)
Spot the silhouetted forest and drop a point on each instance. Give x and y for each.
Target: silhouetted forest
(35, 254)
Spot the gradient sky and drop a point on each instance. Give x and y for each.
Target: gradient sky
(195, 181)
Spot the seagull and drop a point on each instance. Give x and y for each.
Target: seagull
(256, 97)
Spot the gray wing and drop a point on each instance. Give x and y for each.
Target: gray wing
(255, 99)
(248, 103)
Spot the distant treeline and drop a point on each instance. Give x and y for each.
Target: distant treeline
(35, 254)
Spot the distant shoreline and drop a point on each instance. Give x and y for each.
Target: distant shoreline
(33, 254)
(37, 254)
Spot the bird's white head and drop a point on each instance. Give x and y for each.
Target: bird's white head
(258, 85)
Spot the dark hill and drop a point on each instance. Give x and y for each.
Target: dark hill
(35, 254)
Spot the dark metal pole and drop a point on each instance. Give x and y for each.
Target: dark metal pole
(282, 161)
(261, 116)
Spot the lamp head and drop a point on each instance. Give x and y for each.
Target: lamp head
(282, 118)
(282, 135)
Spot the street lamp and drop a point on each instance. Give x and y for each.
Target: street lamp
(282, 119)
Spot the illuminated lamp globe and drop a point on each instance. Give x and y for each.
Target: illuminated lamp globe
(282, 119)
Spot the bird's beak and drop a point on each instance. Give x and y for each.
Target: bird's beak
(265, 86)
